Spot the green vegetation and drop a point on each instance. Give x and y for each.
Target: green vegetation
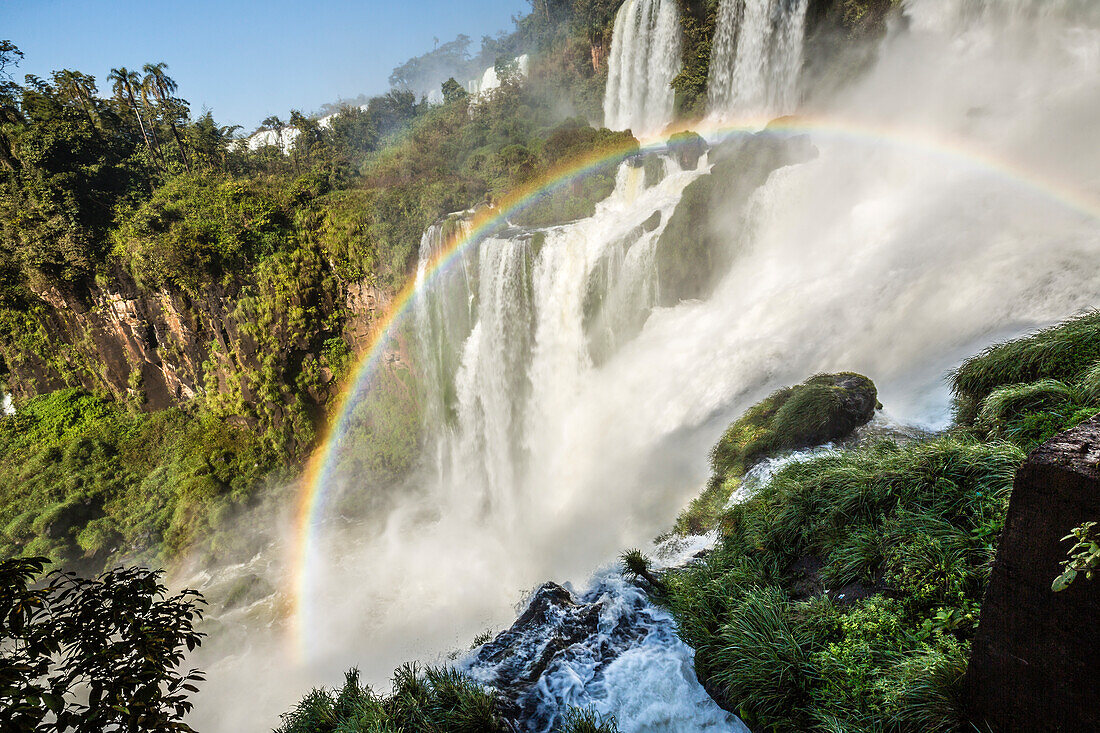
(237, 268)
(824, 408)
(1084, 556)
(96, 654)
(1069, 354)
(905, 537)
(84, 480)
(845, 593)
(431, 699)
(698, 20)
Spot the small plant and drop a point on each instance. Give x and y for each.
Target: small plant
(1084, 556)
(637, 565)
(586, 720)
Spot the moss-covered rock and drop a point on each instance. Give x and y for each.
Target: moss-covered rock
(824, 409)
(696, 248)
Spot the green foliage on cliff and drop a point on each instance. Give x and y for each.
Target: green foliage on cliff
(83, 480)
(698, 20)
(844, 594)
(822, 409)
(904, 537)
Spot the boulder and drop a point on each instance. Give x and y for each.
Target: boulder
(1035, 664)
(686, 148)
(824, 409)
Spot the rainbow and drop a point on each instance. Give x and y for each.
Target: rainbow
(310, 509)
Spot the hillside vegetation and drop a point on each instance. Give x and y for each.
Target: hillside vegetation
(844, 595)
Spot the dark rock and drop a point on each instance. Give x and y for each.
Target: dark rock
(1035, 664)
(555, 631)
(686, 148)
(654, 168)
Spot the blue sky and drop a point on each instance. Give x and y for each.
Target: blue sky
(246, 60)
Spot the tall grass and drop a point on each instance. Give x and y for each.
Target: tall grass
(431, 699)
(919, 520)
(1066, 352)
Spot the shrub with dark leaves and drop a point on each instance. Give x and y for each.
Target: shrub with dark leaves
(94, 655)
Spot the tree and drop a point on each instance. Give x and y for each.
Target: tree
(123, 83)
(453, 91)
(118, 638)
(161, 86)
(10, 56)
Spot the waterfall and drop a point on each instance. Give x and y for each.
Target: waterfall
(756, 57)
(508, 331)
(570, 418)
(645, 56)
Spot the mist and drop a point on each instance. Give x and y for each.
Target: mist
(877, 256)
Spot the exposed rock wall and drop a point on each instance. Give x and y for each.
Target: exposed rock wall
(1036, 657)
(165, 347)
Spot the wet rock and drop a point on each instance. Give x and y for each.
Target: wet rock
(556, 631)
(1035, 664)
(686, 148)
(826, 408)
(699, 243)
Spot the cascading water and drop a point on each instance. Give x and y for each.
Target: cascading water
(756, 57)
(645, 56)
(571, 419)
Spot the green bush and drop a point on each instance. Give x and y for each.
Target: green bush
(83, 479)
(1066, 352)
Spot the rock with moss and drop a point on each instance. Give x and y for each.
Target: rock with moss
(824, 409)
(699, 242)
(686, 148)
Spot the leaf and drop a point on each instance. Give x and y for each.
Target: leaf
(1062, 581)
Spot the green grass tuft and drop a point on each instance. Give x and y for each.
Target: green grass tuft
(1067, 352)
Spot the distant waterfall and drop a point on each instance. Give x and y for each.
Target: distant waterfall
(515, 322)
(645, 56)
(756, 57)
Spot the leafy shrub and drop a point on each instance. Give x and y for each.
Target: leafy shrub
(94, 655)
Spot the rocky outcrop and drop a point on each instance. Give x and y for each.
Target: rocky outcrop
(162, 347)
(1035, 664)
(686, 148)
(824, 409)
(699, 243)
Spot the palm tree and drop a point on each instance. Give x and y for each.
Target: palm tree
(162, 86)
(123, 82)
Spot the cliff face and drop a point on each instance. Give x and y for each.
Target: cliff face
(165, 347)
(1036, 658)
